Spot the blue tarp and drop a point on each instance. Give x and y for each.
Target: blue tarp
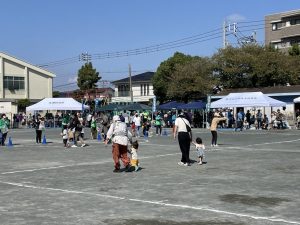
(193, 105)
(170, 105)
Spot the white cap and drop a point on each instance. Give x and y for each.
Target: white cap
(116, 118)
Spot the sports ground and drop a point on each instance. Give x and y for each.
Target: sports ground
(251, 178)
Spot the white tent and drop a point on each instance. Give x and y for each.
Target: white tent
(247, 99)
(297, 100)
(57, 104)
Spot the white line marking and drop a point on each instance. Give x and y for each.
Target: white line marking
(82, 164)
(270, 143)
(160, 203)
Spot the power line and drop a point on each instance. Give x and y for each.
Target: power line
(195, 39)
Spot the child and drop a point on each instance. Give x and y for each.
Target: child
(134, 157)
(199, 148)
(65, 136)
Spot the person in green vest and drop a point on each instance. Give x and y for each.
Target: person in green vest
(93, 128)
(4, 124)
(65, 120)
(158, 119)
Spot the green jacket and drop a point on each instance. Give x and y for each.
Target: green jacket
(158, 120)
(4, 125)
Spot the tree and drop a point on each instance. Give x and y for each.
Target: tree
(294, 50)
(56, 94)
(162, 77)
(192, 80)
(87, 77)
(22, 104)
(255, 66)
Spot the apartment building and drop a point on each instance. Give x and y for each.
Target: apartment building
(282, 30)
(142, 88)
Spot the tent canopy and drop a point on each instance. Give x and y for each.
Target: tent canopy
(170, 105)
(57, 104)
(193, 105)
(110, 107)
(247, 99)
(297, 100)
(136, 106)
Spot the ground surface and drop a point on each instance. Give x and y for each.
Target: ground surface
(251, 178)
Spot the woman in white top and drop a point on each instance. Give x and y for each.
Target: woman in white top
(184, 138)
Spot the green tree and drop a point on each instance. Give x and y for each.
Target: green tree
(192, 80)
(56, 94)
(87, 77)
(255, 66)
(22, 104)
(163, 75)
(294, 50)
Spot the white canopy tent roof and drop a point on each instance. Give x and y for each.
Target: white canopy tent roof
(297, 100)
(247, 99)
(57, 104)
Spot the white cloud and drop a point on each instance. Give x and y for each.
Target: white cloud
(235, 18)
(72, 80)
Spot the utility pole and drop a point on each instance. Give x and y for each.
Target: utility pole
(224, 35)
(130, 85)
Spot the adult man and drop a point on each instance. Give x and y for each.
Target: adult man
(259, 119)
(158, 120)
(240, 120)
(120, 136)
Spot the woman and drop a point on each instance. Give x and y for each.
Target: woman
(183, 128)
(213, 128)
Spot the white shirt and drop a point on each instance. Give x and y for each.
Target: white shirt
(134, 153)
(65, 134)
(137, 121)
(181, 127)
(120, 132)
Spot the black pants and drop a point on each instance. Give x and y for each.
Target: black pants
(158, 127)
(38, 136)
(214, 137)
(4, 135)
(184, 144)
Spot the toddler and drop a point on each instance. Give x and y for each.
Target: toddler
(199, 148)
(65, 136)
(134, 157)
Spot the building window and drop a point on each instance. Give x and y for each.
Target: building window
(13, 83)
(276, 26)
(295, 21)
(123, 90)
(147, 89)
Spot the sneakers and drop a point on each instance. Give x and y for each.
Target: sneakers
(128, 168)
(83, 145)
(116, 170)
(216, 145)
(200, 163)
(74, 146)
(183, 164)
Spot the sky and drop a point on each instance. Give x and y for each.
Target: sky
(141, 33)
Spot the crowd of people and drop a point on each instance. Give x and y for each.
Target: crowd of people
(120, 130)
(250, 120)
